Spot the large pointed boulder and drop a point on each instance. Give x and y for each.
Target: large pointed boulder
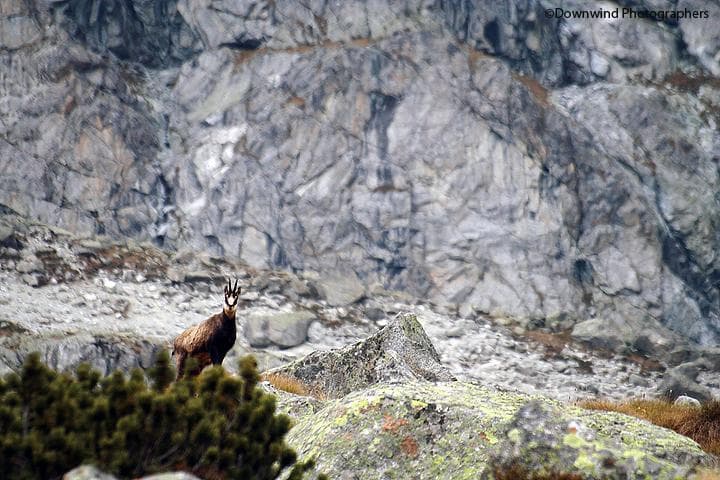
(400, 351)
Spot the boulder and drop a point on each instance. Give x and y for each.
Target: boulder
(282, 329)
(681, 380)
(458, 430)
(104, 352)
(601, 334)
(541, 437)
(400, 351)
(9, 238)
(340, 289)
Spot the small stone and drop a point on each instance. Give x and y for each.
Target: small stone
(599, 65)
(6, 232)
(109, 285)
(638, 380)
(375, 313)
(140, 278)
(89, 297)
(454, 332)
(175, 275)
(28, 265)
(250, 296)
(106, 310)
(31, 280)
(90, 244)
(271, 303)
(687, 401)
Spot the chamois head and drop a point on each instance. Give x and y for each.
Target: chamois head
(232, 295)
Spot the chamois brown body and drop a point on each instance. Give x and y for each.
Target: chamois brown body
(209, 341)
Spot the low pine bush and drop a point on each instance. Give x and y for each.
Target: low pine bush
(215, 426)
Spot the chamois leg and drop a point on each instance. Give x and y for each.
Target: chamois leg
(180, 364)
(215, 356)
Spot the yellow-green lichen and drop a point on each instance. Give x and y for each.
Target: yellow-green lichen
(455, 425)
(417, 404)
(574, 440)
(583, 462)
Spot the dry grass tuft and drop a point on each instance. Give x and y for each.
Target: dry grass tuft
(708, 475)
(292, 385)
(286, 383)
(701, 424)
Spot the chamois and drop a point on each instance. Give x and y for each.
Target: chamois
(209, 341)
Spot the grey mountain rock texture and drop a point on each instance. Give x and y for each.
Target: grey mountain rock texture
(554, 171)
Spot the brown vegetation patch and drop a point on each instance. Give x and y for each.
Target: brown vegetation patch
(646, 364)
(393, 424)
(409, 446)
(708, 475)
(539, 92)
(244, 56)
(150, 261)
(296, 101)
(700, 424)
(554, 343)
(690, 83)
(360, 42)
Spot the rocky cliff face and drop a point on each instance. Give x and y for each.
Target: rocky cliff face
(562, 172)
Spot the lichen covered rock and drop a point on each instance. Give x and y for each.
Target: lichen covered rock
(456, 430)
(400, 351)
(544, 439)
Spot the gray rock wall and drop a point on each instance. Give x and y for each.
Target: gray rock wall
(557, 171)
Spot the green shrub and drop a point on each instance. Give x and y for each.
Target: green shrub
(215, 426)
